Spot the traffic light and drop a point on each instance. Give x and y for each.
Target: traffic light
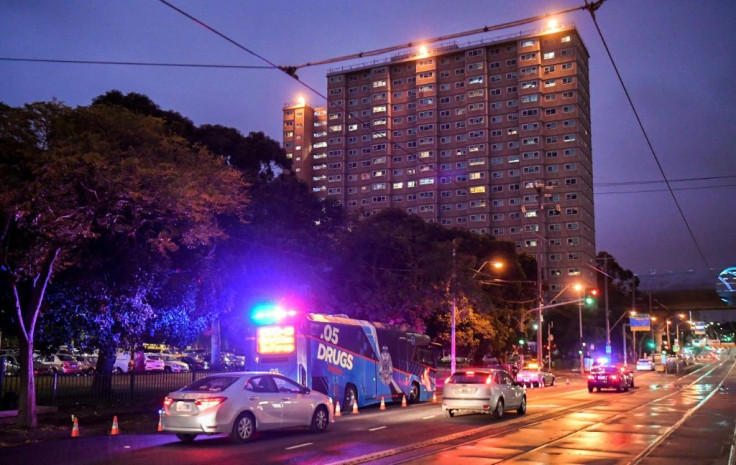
(521, 342)
(650, 344)
(591, 298)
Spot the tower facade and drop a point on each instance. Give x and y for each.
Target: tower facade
(492, 136)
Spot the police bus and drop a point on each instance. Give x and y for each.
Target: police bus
(347, 359)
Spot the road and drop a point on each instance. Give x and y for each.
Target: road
(666, 419)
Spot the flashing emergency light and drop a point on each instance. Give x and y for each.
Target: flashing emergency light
(270, 314)
(533, 365)
(602, 360)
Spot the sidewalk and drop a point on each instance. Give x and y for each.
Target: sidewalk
(93, 421)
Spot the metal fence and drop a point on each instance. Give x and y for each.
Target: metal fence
(63, 390)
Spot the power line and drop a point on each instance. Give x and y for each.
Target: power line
(393, 48)
(664, 190)
(638, 183)
(646, 136)
(131, 63)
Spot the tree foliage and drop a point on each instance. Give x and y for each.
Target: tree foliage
(396, 268)
(107, 175)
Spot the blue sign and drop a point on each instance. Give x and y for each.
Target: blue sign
(640, 322)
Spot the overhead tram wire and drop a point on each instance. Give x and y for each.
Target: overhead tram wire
(664, 190)
(132, 63)
(291, 70)
(394, 48)
(592, 9)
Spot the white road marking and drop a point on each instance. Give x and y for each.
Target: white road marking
(377, 428)
(427, 418)
(300, 445)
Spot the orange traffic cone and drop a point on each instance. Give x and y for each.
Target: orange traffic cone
(114, 431)
(403, 400)
(434, 397)
(338, 413)
(75, 428)
(160, 422)
(383, 404)
(355, 407)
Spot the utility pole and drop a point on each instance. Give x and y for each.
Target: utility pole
(542, 196)
(454, 310)
(608, 315)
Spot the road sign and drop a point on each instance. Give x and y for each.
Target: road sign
(608, 349)
(640, 322)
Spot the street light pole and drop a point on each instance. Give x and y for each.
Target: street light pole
(454, 311)
(623, 333)
(579, 288)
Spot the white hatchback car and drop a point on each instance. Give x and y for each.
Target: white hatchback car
(482, 391)
(644, 364)
(241, 403)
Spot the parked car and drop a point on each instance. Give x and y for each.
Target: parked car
(88, 363)
(171, 364)
(608, 377)
(195, 364)
(644, 364)
(482, 391)
(241, 403)
(57, 363)
(123, 362)
(10, 364)
(534, 375)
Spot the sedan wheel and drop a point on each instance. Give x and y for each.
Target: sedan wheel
(320, 420)
(186, 437)
(522, 408)
(244, 428)
(498, 411)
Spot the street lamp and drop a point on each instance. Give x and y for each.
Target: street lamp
(651, 329)
(667, 326)
(623, 333)
(579, 288)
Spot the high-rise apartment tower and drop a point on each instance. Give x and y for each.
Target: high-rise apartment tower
(491, 136)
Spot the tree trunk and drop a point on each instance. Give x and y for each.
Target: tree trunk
(102, 383)
(215, 344)
(27, 411)
(27, 317)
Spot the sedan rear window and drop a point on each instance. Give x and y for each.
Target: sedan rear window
(470, 377)
(211, 384)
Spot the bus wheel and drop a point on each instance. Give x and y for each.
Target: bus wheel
(414, 393)
(351, 395)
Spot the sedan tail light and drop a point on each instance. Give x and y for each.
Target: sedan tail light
(614, 377)
(168, 401)
(209, 402)
(591, 377)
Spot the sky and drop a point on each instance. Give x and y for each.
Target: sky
(676, 57)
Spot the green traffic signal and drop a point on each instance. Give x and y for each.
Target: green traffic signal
(521, 342)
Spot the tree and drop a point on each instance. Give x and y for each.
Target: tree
(399, 269)
(72, 176)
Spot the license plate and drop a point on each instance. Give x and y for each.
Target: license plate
(601, 378)
(183, 406)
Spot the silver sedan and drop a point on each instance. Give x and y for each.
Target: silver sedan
(534, 375)
(482, 391)
(242, 403)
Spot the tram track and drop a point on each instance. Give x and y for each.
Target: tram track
(464, 438)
